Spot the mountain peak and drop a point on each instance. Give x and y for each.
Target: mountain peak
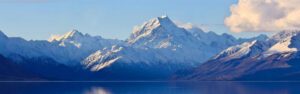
(285, 41)
(164, 19)
(262, 37)
(71, 34)
(162, 25)
(284, 34)
(164, 16)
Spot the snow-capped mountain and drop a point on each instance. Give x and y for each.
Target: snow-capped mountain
(71, 47)
(84, 41)
(81, 45)
(58, 59)
(159, 42)
(159, 32)
(154, 51)
(273, 59)
(286, 41)
(246, 49)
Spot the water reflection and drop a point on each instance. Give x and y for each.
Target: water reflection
(97, 90)
(152, 88)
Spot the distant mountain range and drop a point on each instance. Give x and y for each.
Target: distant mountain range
(156, 50)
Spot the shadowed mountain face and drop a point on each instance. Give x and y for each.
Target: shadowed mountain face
(11, 71)
(274, 59)
(39, 68)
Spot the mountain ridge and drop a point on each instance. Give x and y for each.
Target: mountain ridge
(155, 50)
(154, 45)
(277, 56)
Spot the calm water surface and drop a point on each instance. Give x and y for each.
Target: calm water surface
(149, 87)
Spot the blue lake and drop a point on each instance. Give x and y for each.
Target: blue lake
(150, 88)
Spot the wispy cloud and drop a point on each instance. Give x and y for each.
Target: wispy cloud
(203, 26)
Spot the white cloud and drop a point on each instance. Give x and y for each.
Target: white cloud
(264, 15)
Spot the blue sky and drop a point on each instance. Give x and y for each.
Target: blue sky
(38, 19)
